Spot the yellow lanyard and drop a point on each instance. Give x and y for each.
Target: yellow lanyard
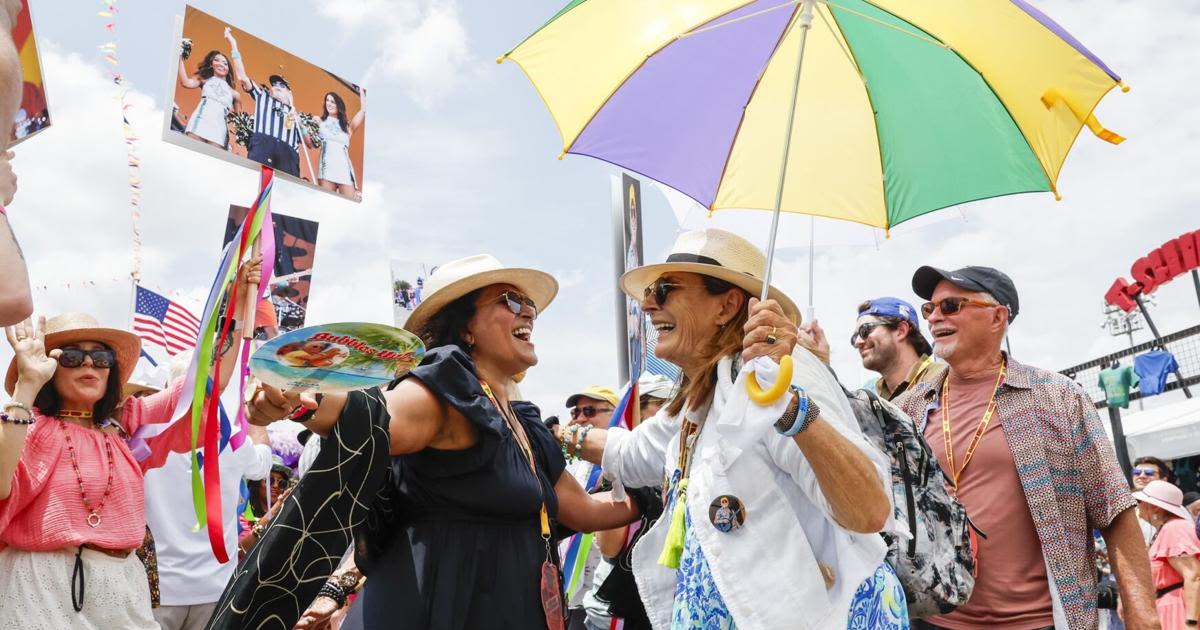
(955, 473)
(522, 441)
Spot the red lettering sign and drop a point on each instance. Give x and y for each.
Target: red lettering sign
(1162, 265)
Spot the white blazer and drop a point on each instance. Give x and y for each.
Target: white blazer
(768, 570)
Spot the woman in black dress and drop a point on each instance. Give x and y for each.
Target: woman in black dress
(475, 489)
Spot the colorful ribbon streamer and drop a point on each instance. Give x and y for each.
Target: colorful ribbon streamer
(200, 408)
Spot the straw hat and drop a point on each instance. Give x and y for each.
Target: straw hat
(460, 277)
(72, 328)
(717, 253)
(1165, 495)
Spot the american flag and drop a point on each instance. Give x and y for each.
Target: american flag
(160, 321)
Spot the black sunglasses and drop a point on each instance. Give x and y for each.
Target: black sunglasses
(952, 305)
(73, 357)
(515, 301)
(588, 412)
(660, 289)
(865, 330)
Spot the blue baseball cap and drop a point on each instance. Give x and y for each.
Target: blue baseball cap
(891, 307)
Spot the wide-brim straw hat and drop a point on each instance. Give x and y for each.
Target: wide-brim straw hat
(717, 253)
(460, 277)
(73, 328)
(1165, 495)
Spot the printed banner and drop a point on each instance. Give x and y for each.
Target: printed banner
(635, 321)
(286, 304)
(408, 282)
(34, 114)
(337, 357)
(245, 100)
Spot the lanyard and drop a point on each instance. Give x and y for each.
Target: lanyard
(956, 472)
(904, 385)
(522, 441)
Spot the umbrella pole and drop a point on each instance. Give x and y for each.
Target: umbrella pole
(805, 23)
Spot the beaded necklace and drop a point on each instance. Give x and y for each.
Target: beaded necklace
(93, 519)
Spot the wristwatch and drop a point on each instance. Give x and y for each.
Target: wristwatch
(348, 582)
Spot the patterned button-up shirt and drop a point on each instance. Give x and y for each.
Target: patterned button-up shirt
(1068, 472)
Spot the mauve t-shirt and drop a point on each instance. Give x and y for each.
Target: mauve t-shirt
(1011, 589)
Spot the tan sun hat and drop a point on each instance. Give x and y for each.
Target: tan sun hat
(460, 277)
(712, 252)
(1165, 495)
(71, 328)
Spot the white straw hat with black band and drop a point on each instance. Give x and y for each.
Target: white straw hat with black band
(717, 253)
(460, 277)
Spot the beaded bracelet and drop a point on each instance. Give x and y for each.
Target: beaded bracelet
(7, 419)
(566, 442)
(12, 404)
(333, 591)
(582, 438)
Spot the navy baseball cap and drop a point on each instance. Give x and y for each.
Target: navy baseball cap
(991, 281)
(275, 78)
(891, 307)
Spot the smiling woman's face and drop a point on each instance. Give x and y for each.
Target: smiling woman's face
(501, 337)
(80, 388)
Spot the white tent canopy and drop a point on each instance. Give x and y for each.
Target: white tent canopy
(1168, 432)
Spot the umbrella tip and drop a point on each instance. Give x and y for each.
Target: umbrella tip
(562, 155)
(1124, 88)
(501, 58)
(1057, 197)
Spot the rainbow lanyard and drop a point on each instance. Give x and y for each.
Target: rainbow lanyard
(956, 472)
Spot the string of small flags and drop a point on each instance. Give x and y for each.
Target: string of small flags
(108, 51)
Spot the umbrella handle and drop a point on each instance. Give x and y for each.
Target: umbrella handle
(767, 397)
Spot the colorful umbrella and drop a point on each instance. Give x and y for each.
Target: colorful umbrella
(904, 107)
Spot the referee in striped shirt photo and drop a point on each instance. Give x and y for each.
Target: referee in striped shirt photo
(276, 138)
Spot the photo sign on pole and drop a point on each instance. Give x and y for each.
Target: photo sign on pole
(33, 115)
(286, 304)
(246, 101)
(631, 322)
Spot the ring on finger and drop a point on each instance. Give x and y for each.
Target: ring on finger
(771, 338)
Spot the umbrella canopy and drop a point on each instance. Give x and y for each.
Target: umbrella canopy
(903, 107)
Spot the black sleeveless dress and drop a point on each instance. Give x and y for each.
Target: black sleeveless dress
(469, 547)
(448, 539)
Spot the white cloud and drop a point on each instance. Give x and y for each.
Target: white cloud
(420, 43)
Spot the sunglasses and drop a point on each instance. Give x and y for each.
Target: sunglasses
(588, 412)
(1143, 472)
(515, 301)
(952, 305)
(660, 289)
(864, 331)
(73, 357)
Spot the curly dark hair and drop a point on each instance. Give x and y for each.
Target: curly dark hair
(341, 107)
(205, 69)
(49, 403)
(449, 325)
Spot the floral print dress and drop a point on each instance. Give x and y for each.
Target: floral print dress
(878, 603)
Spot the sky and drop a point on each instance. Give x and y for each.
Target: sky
(461, 159)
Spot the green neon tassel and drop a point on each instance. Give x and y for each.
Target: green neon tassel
(673, 546)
